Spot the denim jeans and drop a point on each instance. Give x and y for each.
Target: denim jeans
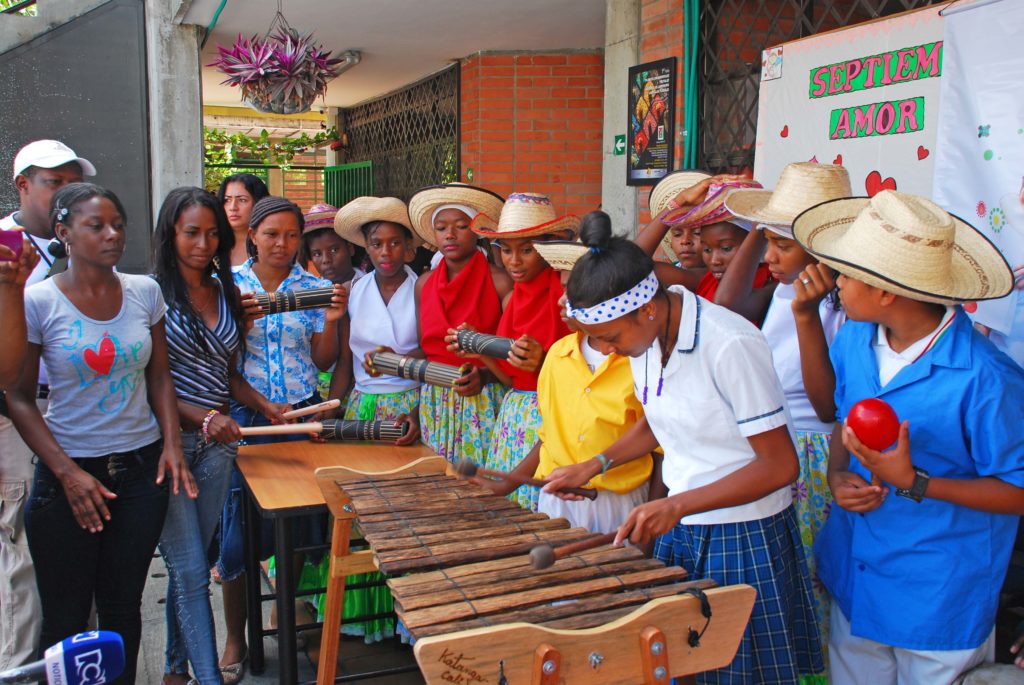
(188, 530)
(75, 567)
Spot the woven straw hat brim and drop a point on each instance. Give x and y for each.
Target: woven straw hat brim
(670, 186)
(977, 271)
(560, 254)
(801, 185)
(351, 218)
(485, 226)
(427, 200)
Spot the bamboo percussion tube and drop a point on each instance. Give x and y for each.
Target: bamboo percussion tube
(284, 429)
(482, 343)
(421, 370)
(468, 469)
(306, 411)
(543, 556)
(294, 300)
(383, 431)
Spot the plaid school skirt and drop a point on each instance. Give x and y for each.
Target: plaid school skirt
(781, 642)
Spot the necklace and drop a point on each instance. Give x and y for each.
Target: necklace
(200, 310)
(666, 354)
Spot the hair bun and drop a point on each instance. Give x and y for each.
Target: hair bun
(596, 230)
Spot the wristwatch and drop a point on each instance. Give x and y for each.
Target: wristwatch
(918, 488)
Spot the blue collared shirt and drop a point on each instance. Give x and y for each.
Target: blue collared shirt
(927, 575)
(278, 348)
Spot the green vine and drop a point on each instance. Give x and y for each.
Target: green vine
(238, 148)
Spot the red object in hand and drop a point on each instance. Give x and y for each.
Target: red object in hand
(874, 423)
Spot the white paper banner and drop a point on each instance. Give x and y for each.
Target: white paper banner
(979, 160)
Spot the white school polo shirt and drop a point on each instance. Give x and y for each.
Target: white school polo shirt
(719, 388)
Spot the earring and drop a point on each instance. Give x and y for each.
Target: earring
(216, 262)
(650, 318)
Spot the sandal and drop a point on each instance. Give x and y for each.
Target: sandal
(232, 674)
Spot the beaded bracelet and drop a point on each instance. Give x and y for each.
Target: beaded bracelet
(206, 424)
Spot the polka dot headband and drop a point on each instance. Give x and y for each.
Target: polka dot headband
(620, 305)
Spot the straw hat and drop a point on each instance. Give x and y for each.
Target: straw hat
(906, 245)
(712, 210)
(525, 215)
(670, 186)
(560, 254)
(426, 201)
(351, 218)
(319, 217)
(801, 185)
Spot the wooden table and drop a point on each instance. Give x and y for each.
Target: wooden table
(280, 485)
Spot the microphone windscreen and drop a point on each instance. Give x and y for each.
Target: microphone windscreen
(56, 249)
(91, 658)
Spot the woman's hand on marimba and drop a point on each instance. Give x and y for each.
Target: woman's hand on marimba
(573, 476)
(172, 460)
(412, 433)
(470, 383)
(339, 304)
(648, 521)
(87, 498)
(526, 354)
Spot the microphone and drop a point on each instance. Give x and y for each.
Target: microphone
(56, 249)
(91, 658)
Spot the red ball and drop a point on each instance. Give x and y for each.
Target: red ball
(874, 423)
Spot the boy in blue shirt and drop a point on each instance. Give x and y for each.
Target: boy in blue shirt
(914, 565)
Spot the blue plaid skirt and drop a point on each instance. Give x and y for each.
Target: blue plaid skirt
(781, 641)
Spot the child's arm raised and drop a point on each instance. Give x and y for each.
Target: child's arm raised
(736, 289)
(813, 285)
(988, 494)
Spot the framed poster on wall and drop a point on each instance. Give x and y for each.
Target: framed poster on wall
(650, 140)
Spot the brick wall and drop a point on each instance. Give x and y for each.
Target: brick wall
(305, 187)
(533, 123)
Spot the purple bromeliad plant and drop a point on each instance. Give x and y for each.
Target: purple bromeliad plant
(281, 73)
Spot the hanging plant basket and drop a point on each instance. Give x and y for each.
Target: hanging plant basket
(283, 72)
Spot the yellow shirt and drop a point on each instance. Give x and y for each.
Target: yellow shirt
(583, 413)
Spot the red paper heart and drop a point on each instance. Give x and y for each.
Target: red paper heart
(922, 152)
(785, 131)
(874, 183)
(102, 361)
(838, 161)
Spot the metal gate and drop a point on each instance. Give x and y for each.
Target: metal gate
(411, 136)
(346, 182)
(732, 35)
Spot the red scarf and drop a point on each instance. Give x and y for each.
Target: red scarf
(708, 285)
(468, 298)
(533, 310)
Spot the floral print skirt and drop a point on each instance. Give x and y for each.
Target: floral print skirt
(458, 427)
(514, 437)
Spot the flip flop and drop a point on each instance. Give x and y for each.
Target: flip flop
(232, 674)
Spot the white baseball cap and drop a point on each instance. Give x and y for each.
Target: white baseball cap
(49, 154)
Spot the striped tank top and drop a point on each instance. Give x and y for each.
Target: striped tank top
(201, 378)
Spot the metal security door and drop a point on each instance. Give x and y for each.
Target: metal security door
(345, 182)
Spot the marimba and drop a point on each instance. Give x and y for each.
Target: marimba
(481, 613)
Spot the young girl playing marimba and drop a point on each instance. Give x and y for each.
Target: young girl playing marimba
(586, 402)
(457, 422)
(531, 317)
(712, 401)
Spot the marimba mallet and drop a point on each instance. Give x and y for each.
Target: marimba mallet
(294, 300)
(284, 429)
(544, 556)
(306, 411)
(468, 469)
(482, 343)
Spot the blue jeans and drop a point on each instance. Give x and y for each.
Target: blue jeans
(188, 530)
(75, 567)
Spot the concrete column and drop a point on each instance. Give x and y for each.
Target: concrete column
(621, 51)
(333, 156)
(175, 99)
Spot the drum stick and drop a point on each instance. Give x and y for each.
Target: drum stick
(306, 411)
(284, 429)
(543, 556)
(468, 469)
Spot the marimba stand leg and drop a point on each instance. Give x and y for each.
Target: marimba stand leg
(285, 591)
(253, 585)
(335, 603)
